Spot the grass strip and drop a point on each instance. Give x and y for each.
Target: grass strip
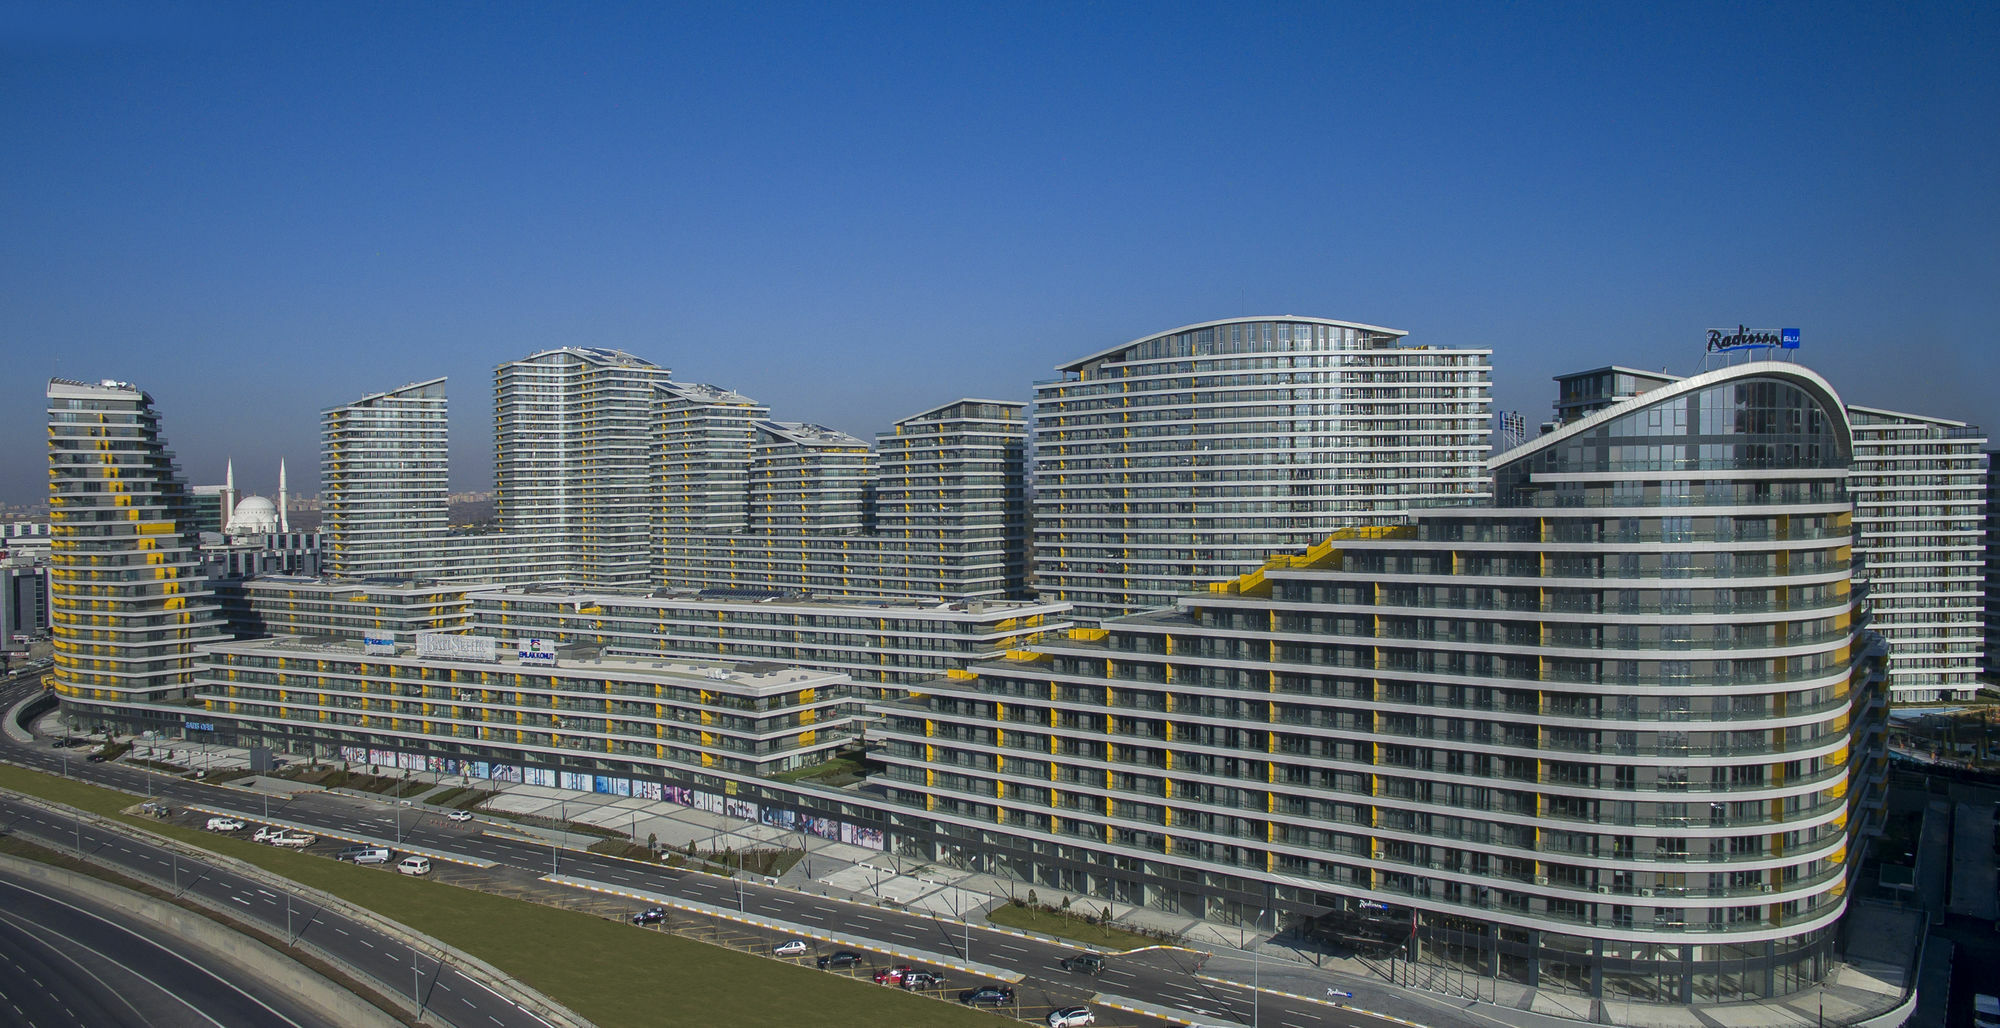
(615, 974)
(1072, 928)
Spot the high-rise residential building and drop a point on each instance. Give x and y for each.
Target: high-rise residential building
(1194, 454)
(1616, 732)
(573, 450)
(385, 507)
(128, 604)
(1919, 488)
(705, 435)
(809, 479)
(1990, 661)
(934, 511)
(952, 490)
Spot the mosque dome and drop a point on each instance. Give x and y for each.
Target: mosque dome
(253, 515)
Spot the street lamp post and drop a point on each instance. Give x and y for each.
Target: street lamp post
(1257, 978)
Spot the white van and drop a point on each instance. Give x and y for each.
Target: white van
(365, 854)
(414, 865)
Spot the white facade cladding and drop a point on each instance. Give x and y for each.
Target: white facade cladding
(1919, 490)
(384, 486)
(1195, 454)
(573, 445)
(128, 603)
(1615, 732)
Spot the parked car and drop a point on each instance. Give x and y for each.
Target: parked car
(224, 824)
(892, 975)
(266, 833)
(365, 854)
(793, 948)
(987, 996)
(923, 980)
(839, 959)
(1084, 963)
(459, 815)
(297, 841)
(650, 915)
(414, 866)
(1071, 1017)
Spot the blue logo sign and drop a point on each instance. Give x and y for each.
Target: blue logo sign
(1790, 337)
(198, 726)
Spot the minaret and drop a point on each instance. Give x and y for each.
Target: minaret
(284, 522)
(228, 493)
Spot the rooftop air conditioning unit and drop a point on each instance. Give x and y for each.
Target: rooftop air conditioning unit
(1604, 890)
(1541, 879)
(1645, 892)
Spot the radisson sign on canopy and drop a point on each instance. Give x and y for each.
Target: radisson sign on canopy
(1723, 340)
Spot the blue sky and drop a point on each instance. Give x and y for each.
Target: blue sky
(853, 214)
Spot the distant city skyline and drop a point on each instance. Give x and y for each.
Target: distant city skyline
(853, 216)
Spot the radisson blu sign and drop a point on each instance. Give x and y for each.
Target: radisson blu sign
(1726, 340)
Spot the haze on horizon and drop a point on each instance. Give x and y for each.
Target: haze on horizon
(258, 211)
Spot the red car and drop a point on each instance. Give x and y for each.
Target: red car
(892, 975)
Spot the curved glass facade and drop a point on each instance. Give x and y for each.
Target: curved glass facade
(1618, 733)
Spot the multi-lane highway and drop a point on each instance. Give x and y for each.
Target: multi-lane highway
(445, 992)
(1162, 978)
(68, 959)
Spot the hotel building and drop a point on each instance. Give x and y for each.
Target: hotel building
(1193, 455)
(1919, 489)
(1616, 732)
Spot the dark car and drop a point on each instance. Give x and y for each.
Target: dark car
(839, 959)
(1084, 963)
(97, 758)
(987, 996)
(653, 915)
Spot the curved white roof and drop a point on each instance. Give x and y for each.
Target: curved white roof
(1080, 361)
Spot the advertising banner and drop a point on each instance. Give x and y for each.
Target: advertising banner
(538, 652)
(446, 646)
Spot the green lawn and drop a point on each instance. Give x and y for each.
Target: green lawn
(614, 974)
(1096, 936)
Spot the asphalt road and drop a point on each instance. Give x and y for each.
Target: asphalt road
(68, 960)
(447, 994)
(1162, 978)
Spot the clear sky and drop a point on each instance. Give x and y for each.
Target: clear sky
(855, 213)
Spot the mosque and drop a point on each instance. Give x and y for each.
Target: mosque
(245, 536)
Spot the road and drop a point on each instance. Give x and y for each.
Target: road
(69, 960)
(1162, 978)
